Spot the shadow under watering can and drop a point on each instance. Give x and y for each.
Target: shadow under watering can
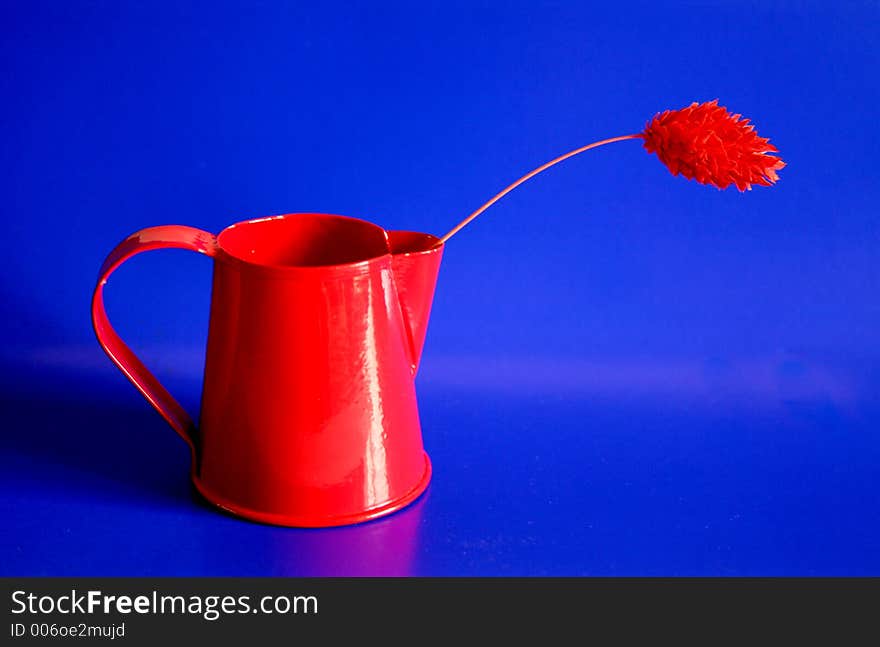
(317, 322)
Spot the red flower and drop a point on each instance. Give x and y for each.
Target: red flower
(704, 142)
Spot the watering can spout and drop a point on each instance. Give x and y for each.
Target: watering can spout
(416, 262)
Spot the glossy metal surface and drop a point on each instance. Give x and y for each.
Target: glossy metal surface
(309, 414)
(163, 237)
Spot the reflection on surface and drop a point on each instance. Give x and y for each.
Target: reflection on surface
(110, 481)
(756, 379)
(385, 547)
(718, 472)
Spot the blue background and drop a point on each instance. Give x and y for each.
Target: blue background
(626, 373)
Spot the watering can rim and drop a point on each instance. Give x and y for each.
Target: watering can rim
(222, 253)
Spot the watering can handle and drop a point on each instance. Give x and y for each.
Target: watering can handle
(164, 237)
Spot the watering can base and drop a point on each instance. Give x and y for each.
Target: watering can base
(297, 521)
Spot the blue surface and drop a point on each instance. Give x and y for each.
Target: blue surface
(625, 374)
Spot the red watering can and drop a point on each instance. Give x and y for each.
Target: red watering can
(317, 322)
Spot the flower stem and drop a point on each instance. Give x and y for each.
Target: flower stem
(530, 175)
